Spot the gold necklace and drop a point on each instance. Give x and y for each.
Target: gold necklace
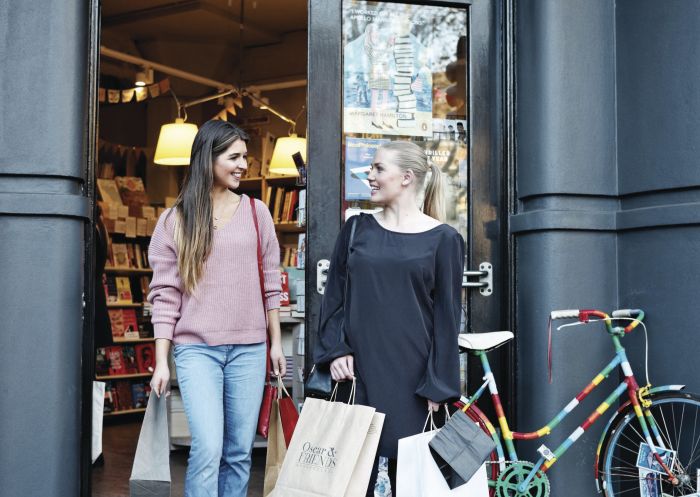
(216, 226)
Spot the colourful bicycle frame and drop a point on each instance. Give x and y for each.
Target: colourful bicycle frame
(629, 384)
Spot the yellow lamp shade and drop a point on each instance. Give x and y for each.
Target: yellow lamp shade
(282, 162)
(175, 143)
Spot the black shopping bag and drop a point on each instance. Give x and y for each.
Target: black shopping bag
(150, 475)
(462, 445)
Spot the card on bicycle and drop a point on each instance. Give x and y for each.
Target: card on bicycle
(646, 459)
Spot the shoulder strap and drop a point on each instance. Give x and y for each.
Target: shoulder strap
(261, 277)
(347, 271)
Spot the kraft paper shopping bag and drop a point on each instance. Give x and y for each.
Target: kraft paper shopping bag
(326, 447)
(363, 469)
(276, 450)
(150, 475)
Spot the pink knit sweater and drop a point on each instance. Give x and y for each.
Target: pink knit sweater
(226, 308)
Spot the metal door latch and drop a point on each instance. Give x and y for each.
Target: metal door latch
(322, 275)
(485, 279)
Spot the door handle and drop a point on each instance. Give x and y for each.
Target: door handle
(484, 279)
(322, 275)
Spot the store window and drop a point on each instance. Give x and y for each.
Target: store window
(405, 78)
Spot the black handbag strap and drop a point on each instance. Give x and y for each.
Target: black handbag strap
(347, 274)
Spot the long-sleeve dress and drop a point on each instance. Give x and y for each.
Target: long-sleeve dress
(400, 320)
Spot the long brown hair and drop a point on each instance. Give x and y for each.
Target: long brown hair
(411, 157)
(193, 207)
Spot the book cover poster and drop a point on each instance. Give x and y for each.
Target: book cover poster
(359, 153)
(387, 76)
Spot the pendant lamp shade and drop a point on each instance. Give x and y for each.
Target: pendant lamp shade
(282, 162)
(175, 143)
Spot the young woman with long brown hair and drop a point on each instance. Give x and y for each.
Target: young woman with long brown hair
(206, 303)
(393, 327)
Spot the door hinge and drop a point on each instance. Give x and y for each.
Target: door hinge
(484, 279)
(322, 275)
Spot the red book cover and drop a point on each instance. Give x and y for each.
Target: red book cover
(116, 361)
(129, 320)
(116, 319)
(146, 357)
(284, 296)
(124, 395)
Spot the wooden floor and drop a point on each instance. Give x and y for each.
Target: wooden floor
(119, 445)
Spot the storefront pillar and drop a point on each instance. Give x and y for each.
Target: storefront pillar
(44, 211)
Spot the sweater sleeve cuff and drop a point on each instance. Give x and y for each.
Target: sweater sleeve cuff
(272, 302)
(163, 330)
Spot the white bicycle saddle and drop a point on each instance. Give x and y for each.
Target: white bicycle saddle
(484, 341)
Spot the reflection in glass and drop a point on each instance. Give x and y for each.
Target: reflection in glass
(405, 78)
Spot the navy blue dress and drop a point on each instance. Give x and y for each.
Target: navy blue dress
(401, 320)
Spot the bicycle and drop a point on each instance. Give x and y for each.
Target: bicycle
(644, 449)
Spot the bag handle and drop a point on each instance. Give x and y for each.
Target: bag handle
(261, 277)
(351, 399)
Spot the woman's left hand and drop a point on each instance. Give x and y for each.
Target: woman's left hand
(433, 406)
(277, 360)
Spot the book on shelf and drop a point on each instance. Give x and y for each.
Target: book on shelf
(146, 357)
(301, 251)
(120, 255)
(132, 191)
(116, 360)
(139, 397)
(138, 256)
(109, 192)
(124, 324)
(129, 355)
(284, 296)
(124, 399)
(301, 211)
(110, 285)
(130, 227)
(144, 282)
(289, 255)
(124, 295)
(101, 361)
(277, 208)
(267, 197)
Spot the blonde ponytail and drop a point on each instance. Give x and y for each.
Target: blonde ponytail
(434, 202)
(411, 157)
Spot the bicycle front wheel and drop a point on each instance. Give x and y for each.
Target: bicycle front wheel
(629, 468)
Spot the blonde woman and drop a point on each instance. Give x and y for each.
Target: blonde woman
(394, 326)
(207, 303)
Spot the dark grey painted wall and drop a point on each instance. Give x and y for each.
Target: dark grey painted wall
(608, 204)
(42, 217)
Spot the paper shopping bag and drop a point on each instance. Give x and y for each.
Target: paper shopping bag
(363, 469)
(325, 448)
(276, 450)
(150, 475)
(98, 406)
(463, 445)
(418, 475)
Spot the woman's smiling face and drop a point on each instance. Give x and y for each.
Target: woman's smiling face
(230, 165)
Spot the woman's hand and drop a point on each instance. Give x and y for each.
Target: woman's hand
(433, 406)
(343, 368)
(160, 381)
(277, 360)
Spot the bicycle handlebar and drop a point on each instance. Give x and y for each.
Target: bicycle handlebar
(564, 314)
(637, 315)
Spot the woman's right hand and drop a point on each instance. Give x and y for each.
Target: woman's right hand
(343, 368)
(160, 381)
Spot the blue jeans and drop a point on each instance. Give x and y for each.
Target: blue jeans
(221, 390)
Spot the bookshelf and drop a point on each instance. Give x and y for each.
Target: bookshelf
(122, 376)
(139, 410)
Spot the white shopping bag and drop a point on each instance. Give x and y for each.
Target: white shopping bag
(418, 475)
(98, 405)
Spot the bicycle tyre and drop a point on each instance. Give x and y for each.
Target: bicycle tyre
(675, 414)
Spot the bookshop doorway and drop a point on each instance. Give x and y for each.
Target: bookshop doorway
(244, 61)
(438, 74)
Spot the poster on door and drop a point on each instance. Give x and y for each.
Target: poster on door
(387, 76)
(359, 153)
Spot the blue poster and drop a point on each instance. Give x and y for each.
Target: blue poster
(359, 153)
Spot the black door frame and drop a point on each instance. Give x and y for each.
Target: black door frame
(495, 95)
